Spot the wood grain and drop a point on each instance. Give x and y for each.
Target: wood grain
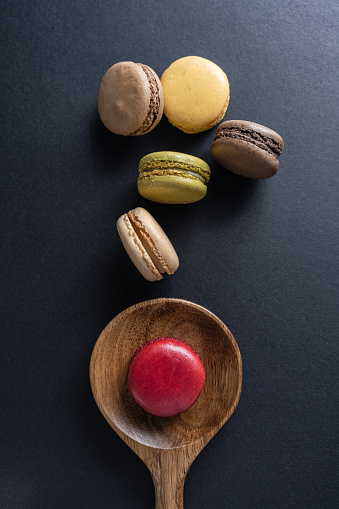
(167, 445)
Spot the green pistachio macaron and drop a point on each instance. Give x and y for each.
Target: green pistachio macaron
(172, 177)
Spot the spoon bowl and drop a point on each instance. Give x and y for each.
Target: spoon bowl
(167, 445)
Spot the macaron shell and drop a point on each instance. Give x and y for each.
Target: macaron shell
(171, 189)
(125, 98)
(156, 238)
(196, 93)
(245, 160)
(166, 376)
(136, 251)
(243, 157)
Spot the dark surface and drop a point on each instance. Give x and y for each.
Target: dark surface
(261, 255)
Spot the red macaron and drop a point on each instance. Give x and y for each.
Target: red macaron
(165, 376)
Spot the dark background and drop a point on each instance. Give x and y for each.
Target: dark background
(261, 255)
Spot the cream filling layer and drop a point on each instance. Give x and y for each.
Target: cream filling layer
(144, 251)
(176, 172)
(149, 245)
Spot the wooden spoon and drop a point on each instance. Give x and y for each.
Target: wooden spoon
(167, 445)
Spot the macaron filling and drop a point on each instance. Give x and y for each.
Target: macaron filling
(148, 244)
(264, 142)
(166, 167)
(144, 251)
(154, 105)
(173, 173)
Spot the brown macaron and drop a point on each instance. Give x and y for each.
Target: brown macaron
(248, 149)
(130, 99)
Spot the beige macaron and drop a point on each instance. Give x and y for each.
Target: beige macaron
(146, 244)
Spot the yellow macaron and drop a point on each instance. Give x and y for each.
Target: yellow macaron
(196, 93)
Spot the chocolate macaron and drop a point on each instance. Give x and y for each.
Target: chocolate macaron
(130, 99)
(248, 149)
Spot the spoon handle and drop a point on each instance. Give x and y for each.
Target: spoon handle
(168, 495)
(168, 473)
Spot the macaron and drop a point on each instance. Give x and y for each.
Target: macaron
(196, 93)
(130, 99)
(248, 149)
(173, 177)
(165, 376)
(146, 244)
